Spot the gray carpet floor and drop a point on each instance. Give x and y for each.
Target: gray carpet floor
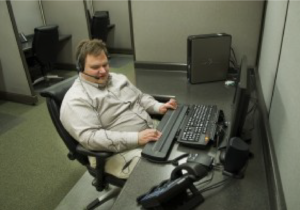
(35, 172)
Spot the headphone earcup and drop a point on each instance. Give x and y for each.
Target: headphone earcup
(78, 66)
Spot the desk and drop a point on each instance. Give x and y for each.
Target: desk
(27, 46)
(248, 193)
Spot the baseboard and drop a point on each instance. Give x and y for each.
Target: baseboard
(276, 194)
(19, 98)
(158, 65)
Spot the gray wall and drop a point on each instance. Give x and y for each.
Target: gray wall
(15, 83)
(68, 15)
(71, 19)
(120, 36)
(27, 15)
(90, 6)
(161, 28)
(271, 45)
(284, 115)
(13, 77)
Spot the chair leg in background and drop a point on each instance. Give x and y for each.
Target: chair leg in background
(38, 80)
(53, 77)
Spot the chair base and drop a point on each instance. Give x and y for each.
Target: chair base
(47, 78)
(111, 192)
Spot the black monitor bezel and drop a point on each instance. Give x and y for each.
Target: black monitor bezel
(241, 101)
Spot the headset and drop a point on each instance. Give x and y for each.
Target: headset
(80, 68)
(80, 65)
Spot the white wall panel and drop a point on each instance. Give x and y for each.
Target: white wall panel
(285, 111)
(119, 37)
(161, 28)
(71, 19)
(271, 45)
(90, 6)
(27, 15)
(13, 77)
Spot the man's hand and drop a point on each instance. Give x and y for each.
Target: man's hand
(172, 104)
(148, 135)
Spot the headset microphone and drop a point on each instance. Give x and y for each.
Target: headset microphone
(95, 77)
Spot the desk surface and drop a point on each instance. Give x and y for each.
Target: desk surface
(248, 193)
(27, 46)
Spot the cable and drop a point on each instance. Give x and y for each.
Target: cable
(206, 181)
(232, 50)
(218, 167)
(252, 108)
(127, 163)
(220, 133)
(252, 111)
(233, 60)
(216, 185)
(253, 124)
(173, 162)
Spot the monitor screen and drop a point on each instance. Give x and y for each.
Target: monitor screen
(241, 100)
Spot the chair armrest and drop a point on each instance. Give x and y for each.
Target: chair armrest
(162, 98)
(98, 154)
(99, 171)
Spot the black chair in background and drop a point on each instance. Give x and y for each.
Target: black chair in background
(45, 49)
(100, 25)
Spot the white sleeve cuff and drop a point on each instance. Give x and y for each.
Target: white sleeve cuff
(132, 139)
(156, 107)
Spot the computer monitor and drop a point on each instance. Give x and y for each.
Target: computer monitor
(238, 75)
(241, 100)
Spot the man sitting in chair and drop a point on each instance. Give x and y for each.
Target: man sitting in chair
(105, 112)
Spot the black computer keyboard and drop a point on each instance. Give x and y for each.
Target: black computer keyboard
(190, 125)
(199, 128)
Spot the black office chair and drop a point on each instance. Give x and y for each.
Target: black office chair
(45, 49)
(54, 96)
(99, 25)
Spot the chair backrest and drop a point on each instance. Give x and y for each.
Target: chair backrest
(54, 96)
(99, 25)
(45, 44)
